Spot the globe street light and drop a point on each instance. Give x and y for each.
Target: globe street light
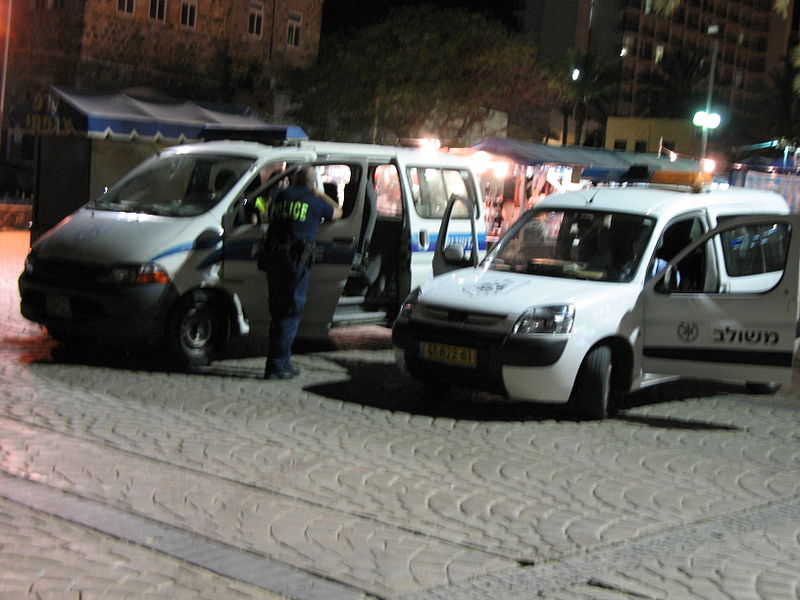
(705, 118)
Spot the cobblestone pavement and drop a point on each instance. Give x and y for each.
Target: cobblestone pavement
(119, 480)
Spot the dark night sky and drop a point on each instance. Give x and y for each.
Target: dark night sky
(340, 15)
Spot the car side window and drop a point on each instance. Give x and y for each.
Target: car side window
(755, 256)
(431, 188)
(691, 274)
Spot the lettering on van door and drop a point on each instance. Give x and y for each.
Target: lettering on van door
(750, 337)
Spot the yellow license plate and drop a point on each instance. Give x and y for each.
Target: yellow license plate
(451, 355)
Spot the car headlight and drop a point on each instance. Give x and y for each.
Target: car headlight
(546, 319)
(407, 307)
(138, 274)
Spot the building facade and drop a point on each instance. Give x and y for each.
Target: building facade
(221, 50)
(750, 38)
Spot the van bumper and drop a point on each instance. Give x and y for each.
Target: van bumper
(117, 314)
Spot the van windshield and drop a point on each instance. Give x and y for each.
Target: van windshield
(177, 185)
(581, 244)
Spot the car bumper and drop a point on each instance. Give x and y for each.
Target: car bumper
(526, 368)
(114, 313)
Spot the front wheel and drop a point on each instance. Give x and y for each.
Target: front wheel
(196, 330)
(590, 394)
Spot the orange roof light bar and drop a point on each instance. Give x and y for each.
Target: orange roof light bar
(693, 179)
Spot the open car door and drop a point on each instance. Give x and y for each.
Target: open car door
(337, 243)
(456, 251)
(715, 334)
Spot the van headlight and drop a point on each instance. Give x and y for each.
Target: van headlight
(545, 319)
(138, 274)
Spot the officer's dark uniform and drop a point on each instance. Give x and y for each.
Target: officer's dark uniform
(295, 214)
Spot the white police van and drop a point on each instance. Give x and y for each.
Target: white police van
(596, 293)
(167, 256)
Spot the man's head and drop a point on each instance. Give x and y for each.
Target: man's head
(306, 175)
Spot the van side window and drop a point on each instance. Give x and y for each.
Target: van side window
(754, 260)
(340, 182)
(387, 191)
(431, 188)
(755, 249)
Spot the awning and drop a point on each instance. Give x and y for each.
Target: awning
(64, 111)
(531, 153)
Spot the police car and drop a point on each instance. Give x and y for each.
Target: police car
(595, 293)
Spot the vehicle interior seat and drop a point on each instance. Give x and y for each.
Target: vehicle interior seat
(366, 264)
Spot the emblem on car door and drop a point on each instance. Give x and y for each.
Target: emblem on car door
(688, 331)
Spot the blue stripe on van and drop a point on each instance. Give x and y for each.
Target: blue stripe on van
(465, 238)
(243, 250)
(185, 247)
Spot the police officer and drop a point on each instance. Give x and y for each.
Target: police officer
(295, 214)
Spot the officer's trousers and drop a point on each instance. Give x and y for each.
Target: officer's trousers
(288, 284)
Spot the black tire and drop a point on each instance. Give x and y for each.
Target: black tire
(762, 387)
(592, 389)
(197, 330)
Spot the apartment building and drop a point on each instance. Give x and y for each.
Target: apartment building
(751, 40)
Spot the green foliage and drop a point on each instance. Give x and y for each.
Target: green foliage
(677, 88)
(591, 94)
(422, 71)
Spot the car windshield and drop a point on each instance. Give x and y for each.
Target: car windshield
(581, 244)
(177, 185)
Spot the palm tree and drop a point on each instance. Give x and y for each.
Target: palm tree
(589, 84)
(676, 87)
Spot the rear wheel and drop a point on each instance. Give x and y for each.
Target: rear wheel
(196, 331)
(590, 394)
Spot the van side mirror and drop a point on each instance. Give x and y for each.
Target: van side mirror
(670, 282)
(207, 239)
(455, 254)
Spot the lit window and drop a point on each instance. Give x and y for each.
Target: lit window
(158, 9)
(659, 56)
(189, 14)
(293, 30)
(255, 19)
(125, 6)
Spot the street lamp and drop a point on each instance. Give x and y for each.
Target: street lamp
(705, 118)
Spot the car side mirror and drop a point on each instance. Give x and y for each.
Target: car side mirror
(454, 254)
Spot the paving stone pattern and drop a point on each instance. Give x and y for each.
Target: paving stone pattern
(348, 482)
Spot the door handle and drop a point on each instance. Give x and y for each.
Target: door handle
(424, 239)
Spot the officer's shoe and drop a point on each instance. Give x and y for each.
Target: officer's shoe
(289, 373)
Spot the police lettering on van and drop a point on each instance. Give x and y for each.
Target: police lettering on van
(167, 257)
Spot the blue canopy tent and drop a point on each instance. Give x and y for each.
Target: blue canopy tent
(589, 159)
(128, 117)
(85, 141)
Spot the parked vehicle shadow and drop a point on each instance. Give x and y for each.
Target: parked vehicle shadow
(382, 386)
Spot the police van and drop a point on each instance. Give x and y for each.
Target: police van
(595, 293)
(167, 256)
